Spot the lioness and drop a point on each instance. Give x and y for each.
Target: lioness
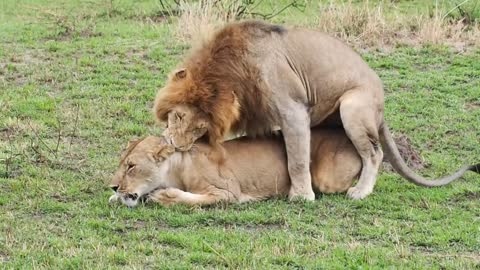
(252, 77)
(253, 169)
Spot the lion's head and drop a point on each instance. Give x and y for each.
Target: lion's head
(224, 85)
(143, 168)
(185, 125)
(193, 108)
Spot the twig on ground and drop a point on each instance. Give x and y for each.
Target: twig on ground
(59, 136)
(273, 14)
(39, 138)
(75, 126)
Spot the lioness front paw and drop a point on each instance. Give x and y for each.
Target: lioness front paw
(357, 193)
(166, 196)
(114, 198)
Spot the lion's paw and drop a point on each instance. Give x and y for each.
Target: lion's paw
(357, 193)
(166, 196)
(305, 195)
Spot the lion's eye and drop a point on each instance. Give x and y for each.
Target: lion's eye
(198, 131)
(130, 167)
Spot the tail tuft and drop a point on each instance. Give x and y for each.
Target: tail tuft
(475, 168)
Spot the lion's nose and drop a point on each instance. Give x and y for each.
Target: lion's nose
(132, 196)
(114, 188)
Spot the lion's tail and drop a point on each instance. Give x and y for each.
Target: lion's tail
(401, 167)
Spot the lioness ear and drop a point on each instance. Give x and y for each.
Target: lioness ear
(132, 142)
(163, 152)
(181, 74)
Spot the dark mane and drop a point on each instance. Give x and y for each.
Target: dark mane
(219, 72)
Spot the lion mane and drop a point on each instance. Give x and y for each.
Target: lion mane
(219, 80)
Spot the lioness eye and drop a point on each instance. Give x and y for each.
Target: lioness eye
(130, 166)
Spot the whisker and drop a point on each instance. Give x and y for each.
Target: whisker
(149, 179)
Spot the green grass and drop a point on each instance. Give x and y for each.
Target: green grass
(71, 99)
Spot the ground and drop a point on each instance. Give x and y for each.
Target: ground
(77, 81)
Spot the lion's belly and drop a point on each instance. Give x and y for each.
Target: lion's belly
(319, 113)
(323, 100)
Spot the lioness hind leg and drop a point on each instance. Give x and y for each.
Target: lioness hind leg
(335, 167)
(360, 119)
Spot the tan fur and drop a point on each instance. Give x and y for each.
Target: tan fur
(192, 178)
(253, 77)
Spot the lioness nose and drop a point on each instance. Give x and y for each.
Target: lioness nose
(114, 188)
(132, 196)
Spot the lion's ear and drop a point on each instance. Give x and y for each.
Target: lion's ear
(162, 152)
(180, 74)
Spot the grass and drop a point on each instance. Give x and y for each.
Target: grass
(77, 80)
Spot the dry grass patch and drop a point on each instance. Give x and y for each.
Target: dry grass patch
(198, 18)
(366, 25)
(362, 25)
(355, 24)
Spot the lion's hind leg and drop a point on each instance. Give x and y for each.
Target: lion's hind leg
(360, 116)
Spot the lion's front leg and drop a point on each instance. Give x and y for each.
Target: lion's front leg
(296, 133)
(171, 196)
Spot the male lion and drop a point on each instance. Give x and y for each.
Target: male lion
(253, 169)
(252, 77)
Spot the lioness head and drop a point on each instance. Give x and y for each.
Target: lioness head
(143, 168)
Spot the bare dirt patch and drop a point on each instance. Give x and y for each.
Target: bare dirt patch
(473, 105)
(17, 68)
(466, 196)
(59, 198)
(409, 155)
(426, 251)
(256, 227)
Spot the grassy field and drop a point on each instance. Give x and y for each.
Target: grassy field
(77, 80)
